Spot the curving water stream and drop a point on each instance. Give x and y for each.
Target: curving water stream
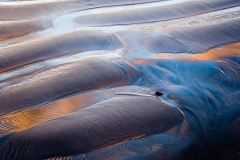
(118, 79)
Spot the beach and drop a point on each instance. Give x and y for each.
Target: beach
(120, 79)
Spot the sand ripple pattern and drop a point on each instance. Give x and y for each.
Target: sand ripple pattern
(154, 14)
(196, 39)
(101, 125)
(100, 80)
(44, 9)
(20, 54)
(78, 76)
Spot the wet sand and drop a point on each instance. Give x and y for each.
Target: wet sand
(25, 53)
(110, 79)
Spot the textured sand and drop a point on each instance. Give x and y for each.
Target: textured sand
(120, 79)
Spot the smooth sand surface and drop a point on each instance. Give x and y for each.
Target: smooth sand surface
(120, 79)
(11, 29)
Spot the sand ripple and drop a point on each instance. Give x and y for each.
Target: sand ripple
(196, 39)
(78, 76)
(99, 79)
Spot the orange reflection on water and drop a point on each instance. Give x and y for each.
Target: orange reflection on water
(139, 61)
(24, 119)
(32, 116)
(212, 54)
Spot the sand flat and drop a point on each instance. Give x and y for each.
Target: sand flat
(120, 79)
(20, 54)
